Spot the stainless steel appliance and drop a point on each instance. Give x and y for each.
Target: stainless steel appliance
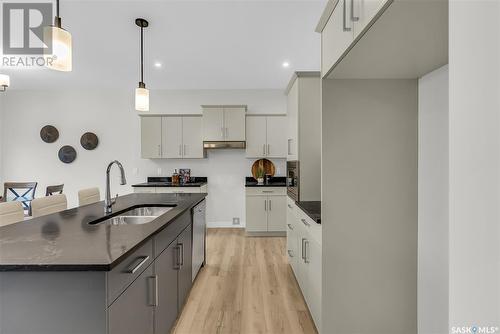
(199, 237)
(292, 177)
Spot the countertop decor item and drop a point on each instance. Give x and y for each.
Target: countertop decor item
(4, 82)
(185, 175)
(49, 134)
(263, 167)
(89, 141)
(67, 154)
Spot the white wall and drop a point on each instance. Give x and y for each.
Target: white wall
(433, 203)
(474, 163)
(111, 116)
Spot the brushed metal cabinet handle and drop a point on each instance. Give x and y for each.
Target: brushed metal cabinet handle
(265, 205)
(153, 295)
(268, 149)
(185, 150)
(290, 226)
(289, 145)
(302, 248)
(306, 251)
(177, 257)
(264, 149)
(353, 17)
(270, 206)
(291, 207)
(138, 264)
(305, 222)
(181, 256)
(290, 253)
(344, 18)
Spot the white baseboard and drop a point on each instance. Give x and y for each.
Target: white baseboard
(226, 224)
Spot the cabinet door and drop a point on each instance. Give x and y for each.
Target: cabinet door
(293, 121)
(276, 137)
(314, 272)
(172, 137)
(256, 137)
(234, 124)
(133, 311)
(363, 12)
(291, 237)
(192, 137)
(166, 272)
(302, 269)
(185, 274)
(276, 218)
(256, 213)
(213, 124)
(337, 36)
(150, 137)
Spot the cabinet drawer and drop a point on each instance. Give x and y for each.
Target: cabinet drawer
(128, 270)
(266, 191)
(313, 229)
(171, 232)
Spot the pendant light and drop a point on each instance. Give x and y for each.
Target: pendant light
(4, 82)
(61, 57)
(141, 93)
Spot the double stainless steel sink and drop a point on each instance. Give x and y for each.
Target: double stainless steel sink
(136, 216)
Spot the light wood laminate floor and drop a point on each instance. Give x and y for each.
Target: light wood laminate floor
(247, 286)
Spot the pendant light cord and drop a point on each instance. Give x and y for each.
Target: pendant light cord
(142, 54)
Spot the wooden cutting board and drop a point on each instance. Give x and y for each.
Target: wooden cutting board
(266, 165)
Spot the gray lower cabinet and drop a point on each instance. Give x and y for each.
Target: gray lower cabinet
(166, 271)
(185, 266)
(133, 311)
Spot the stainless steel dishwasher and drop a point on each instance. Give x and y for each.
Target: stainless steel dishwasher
(199, 236)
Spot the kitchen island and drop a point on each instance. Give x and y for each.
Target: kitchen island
(81, 271)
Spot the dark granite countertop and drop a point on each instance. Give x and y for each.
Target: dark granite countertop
(312, 209)
(278, 181)
(167, 182)
(65, 241)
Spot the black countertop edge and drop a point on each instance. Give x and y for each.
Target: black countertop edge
(184, 203)
(166, 181)
(312, 209)
(168, 184)
(277, 181)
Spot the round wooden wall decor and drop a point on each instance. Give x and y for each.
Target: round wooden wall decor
(89, 141)
(67, 154)
(49, 134)
(265, 165)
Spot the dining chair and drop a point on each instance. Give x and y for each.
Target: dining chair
(88, 196)
(53, 190)
(49, 204)
(10, 213)
(23, 192)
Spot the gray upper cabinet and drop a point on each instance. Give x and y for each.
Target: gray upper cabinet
(166, 270)
(172, 137)
(266, 136)
(151, 137)
(224, 123)
(133, 311)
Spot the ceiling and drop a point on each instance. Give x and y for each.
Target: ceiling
(201, 44)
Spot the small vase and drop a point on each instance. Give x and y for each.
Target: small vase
(260, 180)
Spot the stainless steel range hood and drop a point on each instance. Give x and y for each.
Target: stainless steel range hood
(224, 144)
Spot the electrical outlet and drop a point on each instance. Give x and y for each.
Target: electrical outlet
(236, 221)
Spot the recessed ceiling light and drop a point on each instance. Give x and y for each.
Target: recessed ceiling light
(286, 64)
(158, 64)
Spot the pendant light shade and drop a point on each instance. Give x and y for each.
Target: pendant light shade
(61, 58)
(4, 82)
(141, 99)
(141, 93)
